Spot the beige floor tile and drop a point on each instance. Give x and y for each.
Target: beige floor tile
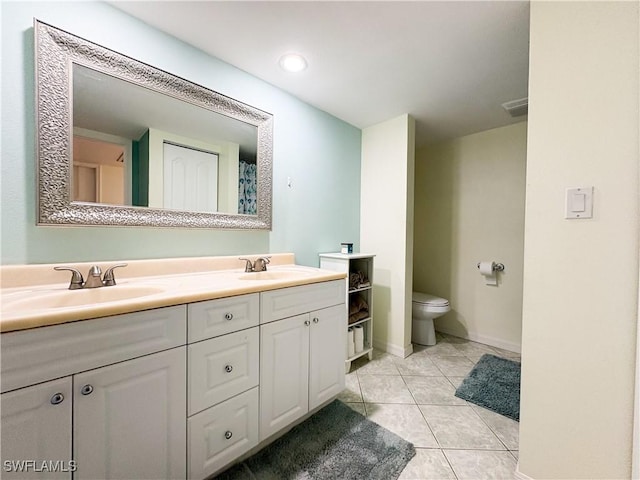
(472, 349)
(456, 381)
(358, 407)
(428, 464)
(441, 348)
(351, 393)
(454, 366)
(416, 364)
(481, 465)
(460, 427)
(406, 421)
(380, 365)
(432, 390)
(506, 430)
(384, 389)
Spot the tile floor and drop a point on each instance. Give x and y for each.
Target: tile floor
(414, 398)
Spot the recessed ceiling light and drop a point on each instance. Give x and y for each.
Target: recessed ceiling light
(293, 62)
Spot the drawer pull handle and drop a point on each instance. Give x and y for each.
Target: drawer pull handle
(228, 368)
(315, 320)
(307, 323)
(228, 316)
(86, 390)
(57, 399)
(228, 434)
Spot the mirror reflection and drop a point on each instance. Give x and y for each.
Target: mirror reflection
(133, 146)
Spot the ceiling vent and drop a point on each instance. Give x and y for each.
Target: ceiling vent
(517, 108)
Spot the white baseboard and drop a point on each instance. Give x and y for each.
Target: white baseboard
(393, 349)
(485, 339)
(519, 475)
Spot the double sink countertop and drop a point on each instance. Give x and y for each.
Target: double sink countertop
(37, 295)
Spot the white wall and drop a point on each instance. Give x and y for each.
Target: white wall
(580, 276)
(469, 207)
(386, 228)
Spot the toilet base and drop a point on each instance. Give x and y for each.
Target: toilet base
(423, 332)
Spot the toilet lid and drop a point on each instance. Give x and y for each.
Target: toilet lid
(427, 299)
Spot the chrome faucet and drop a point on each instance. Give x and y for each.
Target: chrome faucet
(260, 264)
(94, 279)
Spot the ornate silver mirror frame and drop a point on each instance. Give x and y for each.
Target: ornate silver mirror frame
(56, 51)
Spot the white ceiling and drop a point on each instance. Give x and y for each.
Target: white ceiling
(450, 64)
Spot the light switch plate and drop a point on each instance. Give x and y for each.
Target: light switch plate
(579, 203)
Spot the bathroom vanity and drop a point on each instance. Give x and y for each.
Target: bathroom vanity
(197, 370)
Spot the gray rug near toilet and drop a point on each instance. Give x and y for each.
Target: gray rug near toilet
(335, 443)
(494, 383)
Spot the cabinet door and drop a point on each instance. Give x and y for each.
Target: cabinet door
(284, 370)
(130, 418)
(36, 431)
(326, 354)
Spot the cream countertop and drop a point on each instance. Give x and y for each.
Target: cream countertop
(30, 293)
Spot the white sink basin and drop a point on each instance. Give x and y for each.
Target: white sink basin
(37, 300)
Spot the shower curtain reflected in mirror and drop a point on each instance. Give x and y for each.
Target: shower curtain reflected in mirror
(247, 189)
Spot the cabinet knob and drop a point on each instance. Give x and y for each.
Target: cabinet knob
(315, 320)
(86, 390)
(228, 434)
(228, 368)
(57, 399)
(307, 323)
(228, 316)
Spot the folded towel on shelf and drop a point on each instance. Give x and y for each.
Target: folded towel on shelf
(358, 316)
(358, 309)
(358, 280)
(356, 304)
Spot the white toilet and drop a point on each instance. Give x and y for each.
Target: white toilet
(424, 309)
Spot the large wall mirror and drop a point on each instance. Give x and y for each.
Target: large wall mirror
(123, 143)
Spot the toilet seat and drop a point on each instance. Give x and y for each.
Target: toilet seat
(430, 300)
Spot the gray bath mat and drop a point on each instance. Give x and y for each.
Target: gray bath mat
(335, 443)
(494, 383)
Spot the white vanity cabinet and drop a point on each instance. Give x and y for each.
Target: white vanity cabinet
(301, 362)
(172, 392)
(223, 376)
(124, 418)
(128, 419)
(36, 425)
(119, 398)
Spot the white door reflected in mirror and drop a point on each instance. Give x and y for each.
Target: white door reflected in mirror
(190, 179)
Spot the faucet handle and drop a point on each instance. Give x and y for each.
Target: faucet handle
(261, 264)
(109, 279)
(249, 266)
(77, 281)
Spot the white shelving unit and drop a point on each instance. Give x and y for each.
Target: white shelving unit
(351, 263)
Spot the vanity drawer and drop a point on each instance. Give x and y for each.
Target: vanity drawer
(288, 302)
(225, 315)
(222, 367)
(41, 354)
(221, 434)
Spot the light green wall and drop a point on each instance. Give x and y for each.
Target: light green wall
(320, 153)
(470, 208)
